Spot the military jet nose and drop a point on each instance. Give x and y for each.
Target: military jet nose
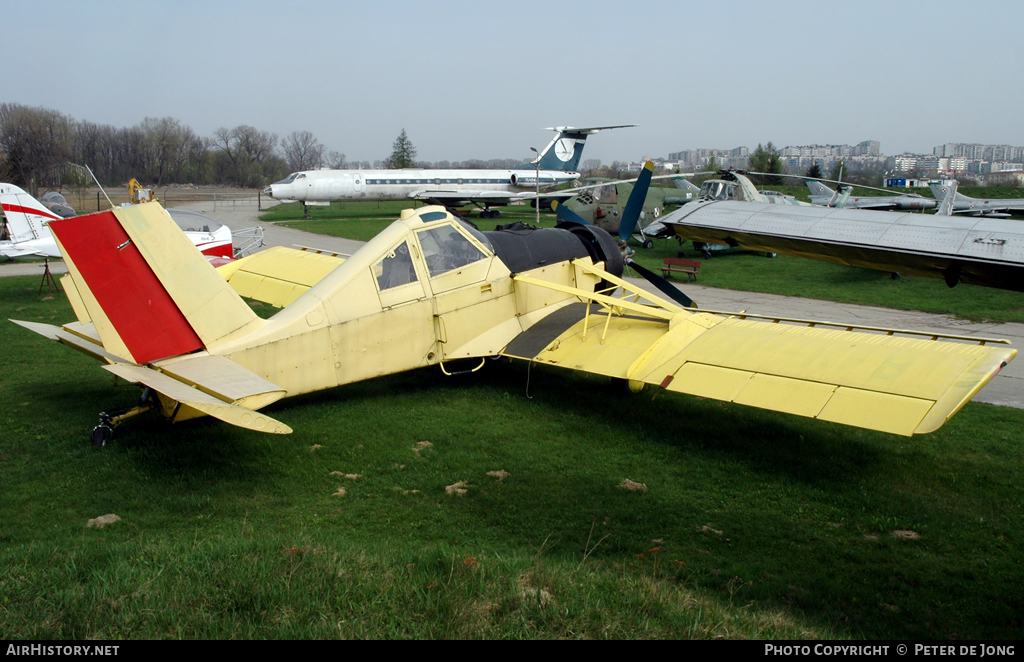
(269, 191)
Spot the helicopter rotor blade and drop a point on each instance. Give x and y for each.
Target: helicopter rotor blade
(635, 204)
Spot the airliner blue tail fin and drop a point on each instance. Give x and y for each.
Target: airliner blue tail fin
(566, 149)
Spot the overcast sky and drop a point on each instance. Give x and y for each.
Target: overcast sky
(483, 79)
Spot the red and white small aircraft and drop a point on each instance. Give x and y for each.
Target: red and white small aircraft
(29, 233)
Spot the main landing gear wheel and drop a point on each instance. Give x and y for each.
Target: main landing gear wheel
(648, 243)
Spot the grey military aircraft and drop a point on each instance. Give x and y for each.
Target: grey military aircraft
(990, 207)
(983, 251)
(603, 203)
(826, 197)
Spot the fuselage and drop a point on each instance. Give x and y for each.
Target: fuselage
(985, 207)
(904, 202)
(415, 183)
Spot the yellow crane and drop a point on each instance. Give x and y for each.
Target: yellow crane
(137, 194)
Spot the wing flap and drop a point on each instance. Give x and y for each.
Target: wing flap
(891, 413)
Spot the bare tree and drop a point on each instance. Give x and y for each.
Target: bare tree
(335, 160)
(34, 142)
(246, 152)
(302, 151)
(168, 148)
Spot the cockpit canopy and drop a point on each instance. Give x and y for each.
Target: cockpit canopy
(291, 178)
(717, 189)
(54, 197)
(193, 221)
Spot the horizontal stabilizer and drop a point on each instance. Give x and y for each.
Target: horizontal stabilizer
(278, 275)
(200, 400)
(224, 379)
(73, 340)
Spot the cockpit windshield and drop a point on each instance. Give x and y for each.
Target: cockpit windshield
(445, 248)
(193, 221)
(291, 178)
(717, 190)
(479, 236)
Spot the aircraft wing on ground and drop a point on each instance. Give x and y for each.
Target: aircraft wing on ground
(278, 275)
(868, 378)
(978, 251)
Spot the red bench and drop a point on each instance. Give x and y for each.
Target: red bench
(679, 265)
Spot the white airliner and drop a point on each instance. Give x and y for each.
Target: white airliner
(30, 236)
(452, 188)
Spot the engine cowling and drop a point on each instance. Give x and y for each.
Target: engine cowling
(523, 248)
(523, 179)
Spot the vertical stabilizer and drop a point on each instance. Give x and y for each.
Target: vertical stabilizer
(948, 197)
(26, 216)
(684, 184)
(819, 190)
(151, 294)
(566, 149)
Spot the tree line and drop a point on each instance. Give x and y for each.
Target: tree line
(39, 145)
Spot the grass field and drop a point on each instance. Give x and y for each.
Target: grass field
(512, 503)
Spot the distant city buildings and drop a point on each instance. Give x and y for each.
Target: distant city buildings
(795, 158)
(977, 158)
(697, 159)
(948, 159)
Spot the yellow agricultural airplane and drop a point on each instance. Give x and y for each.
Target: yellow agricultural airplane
(430, 289)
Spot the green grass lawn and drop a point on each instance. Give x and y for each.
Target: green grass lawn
(750, 524)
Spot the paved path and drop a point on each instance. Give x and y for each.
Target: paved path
(1006, 389)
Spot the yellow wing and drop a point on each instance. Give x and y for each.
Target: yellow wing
(279, 275)
(870, 378)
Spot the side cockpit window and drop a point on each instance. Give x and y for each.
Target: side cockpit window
(445, 248)
(395, 269)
